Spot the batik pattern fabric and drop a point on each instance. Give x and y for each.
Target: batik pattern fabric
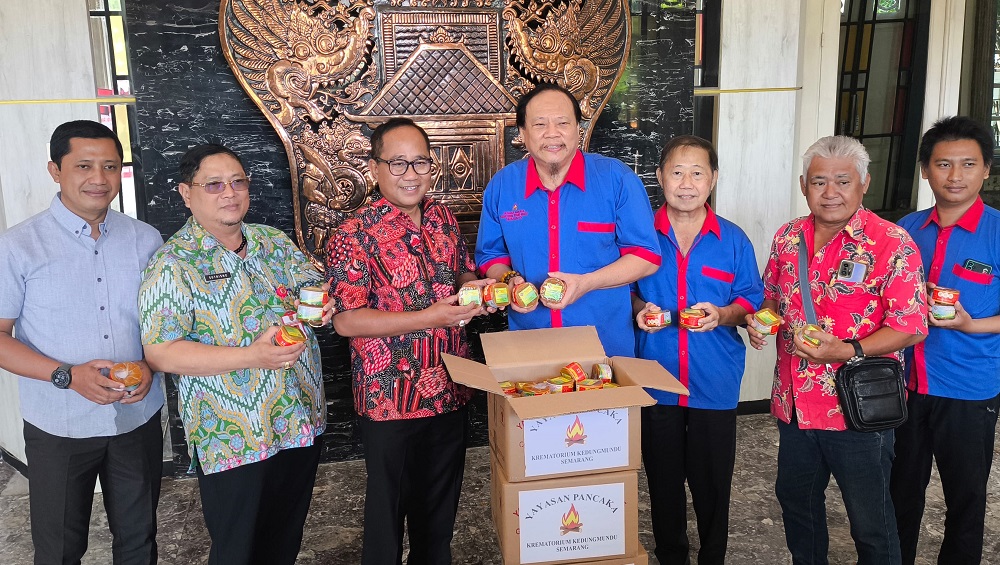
(890, 294)
(195, 289)
(380, 259)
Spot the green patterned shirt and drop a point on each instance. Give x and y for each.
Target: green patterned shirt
(196, 289)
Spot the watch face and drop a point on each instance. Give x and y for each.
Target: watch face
(61, 378)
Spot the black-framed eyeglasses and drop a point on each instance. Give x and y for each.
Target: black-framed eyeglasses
(397, 167)
(218, 187)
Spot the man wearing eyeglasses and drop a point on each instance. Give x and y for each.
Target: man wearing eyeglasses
(394, 271)
(210, 304)
(69, 277)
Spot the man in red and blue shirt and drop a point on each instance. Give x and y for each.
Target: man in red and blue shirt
(865, 279)
(954, 375)
(708, 263)
(580, 217)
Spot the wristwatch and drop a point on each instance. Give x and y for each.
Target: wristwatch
(62, 376)
(859, 353)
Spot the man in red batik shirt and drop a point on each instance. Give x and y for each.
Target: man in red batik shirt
(394, 268)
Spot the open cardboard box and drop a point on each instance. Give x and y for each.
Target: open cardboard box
(568, 520)
(555, 435)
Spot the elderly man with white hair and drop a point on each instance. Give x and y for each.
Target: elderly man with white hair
(866, 283)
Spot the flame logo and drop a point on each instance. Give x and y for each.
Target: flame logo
(575, 433)
(571, 521)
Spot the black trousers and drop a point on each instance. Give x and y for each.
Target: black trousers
(697, 446)
(959, 435)
(255, 513)
(415, 470)
(62, 474)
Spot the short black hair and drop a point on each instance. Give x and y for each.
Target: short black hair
(86, 129)
(191, 160)
(522, 104)
(380, 132)
(690, 141)
(956, 128)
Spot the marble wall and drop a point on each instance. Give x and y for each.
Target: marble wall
(44, 58)
(186, 94)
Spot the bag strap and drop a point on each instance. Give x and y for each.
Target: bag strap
(804, 289)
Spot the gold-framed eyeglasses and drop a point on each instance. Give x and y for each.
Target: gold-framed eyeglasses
(218, 187)
(397, 167)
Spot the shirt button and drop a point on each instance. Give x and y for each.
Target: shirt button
(102, 307)
(98, 279)
(681, 297)
(553, 201)
(105, 336)
(553, 227)
(95, 252)
(553, 256)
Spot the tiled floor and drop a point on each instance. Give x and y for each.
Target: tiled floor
(333, 530)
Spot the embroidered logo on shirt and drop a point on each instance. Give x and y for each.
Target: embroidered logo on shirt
(217, 276)
(513, 214)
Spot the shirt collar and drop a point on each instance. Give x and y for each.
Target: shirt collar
(73, 223)
(969, 220)
(205, 240)
(391, 213)
(855, 227)
(661, 221)
(574, 176)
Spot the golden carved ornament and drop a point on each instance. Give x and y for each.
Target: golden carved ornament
(326, 72)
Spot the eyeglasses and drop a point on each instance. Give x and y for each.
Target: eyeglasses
(218, 187)
(397, 167)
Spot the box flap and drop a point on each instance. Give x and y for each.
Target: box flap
(646, 373)
(471, 373)
(532, 347)
(529, 407)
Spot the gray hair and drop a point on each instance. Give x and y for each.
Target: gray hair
(838, 147)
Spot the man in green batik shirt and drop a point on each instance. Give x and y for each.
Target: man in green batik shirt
(253, 411)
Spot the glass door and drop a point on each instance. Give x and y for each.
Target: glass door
(882, 57)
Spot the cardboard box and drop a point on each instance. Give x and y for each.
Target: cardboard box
(557, 435)
(640, 559)
(568, 520)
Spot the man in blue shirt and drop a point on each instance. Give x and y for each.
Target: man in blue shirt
(708, 263)
(580, 217)
(954, 375)
(70, 277)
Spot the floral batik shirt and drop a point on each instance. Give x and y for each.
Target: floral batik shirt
(379, 259)
(891, 294)
(196, 289)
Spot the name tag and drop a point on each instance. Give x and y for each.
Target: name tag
(217, 276)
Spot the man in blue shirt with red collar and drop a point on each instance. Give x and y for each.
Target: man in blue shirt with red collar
(709, 264)
(954, 375)
(580, 217)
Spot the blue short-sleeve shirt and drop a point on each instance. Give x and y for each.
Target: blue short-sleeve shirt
(600, 213)
(951, 363)
(720, 268)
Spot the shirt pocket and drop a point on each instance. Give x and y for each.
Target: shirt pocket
(977, 292)
(597, 247)
(716, 286)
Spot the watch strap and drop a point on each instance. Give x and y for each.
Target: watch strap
(859, 353)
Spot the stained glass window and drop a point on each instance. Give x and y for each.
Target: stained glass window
(111, 74)
(995, 107)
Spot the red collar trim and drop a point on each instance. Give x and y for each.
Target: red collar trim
(575, 175)
(969, 220)
(711, 225)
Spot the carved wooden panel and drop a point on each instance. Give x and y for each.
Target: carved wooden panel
(326, 72)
